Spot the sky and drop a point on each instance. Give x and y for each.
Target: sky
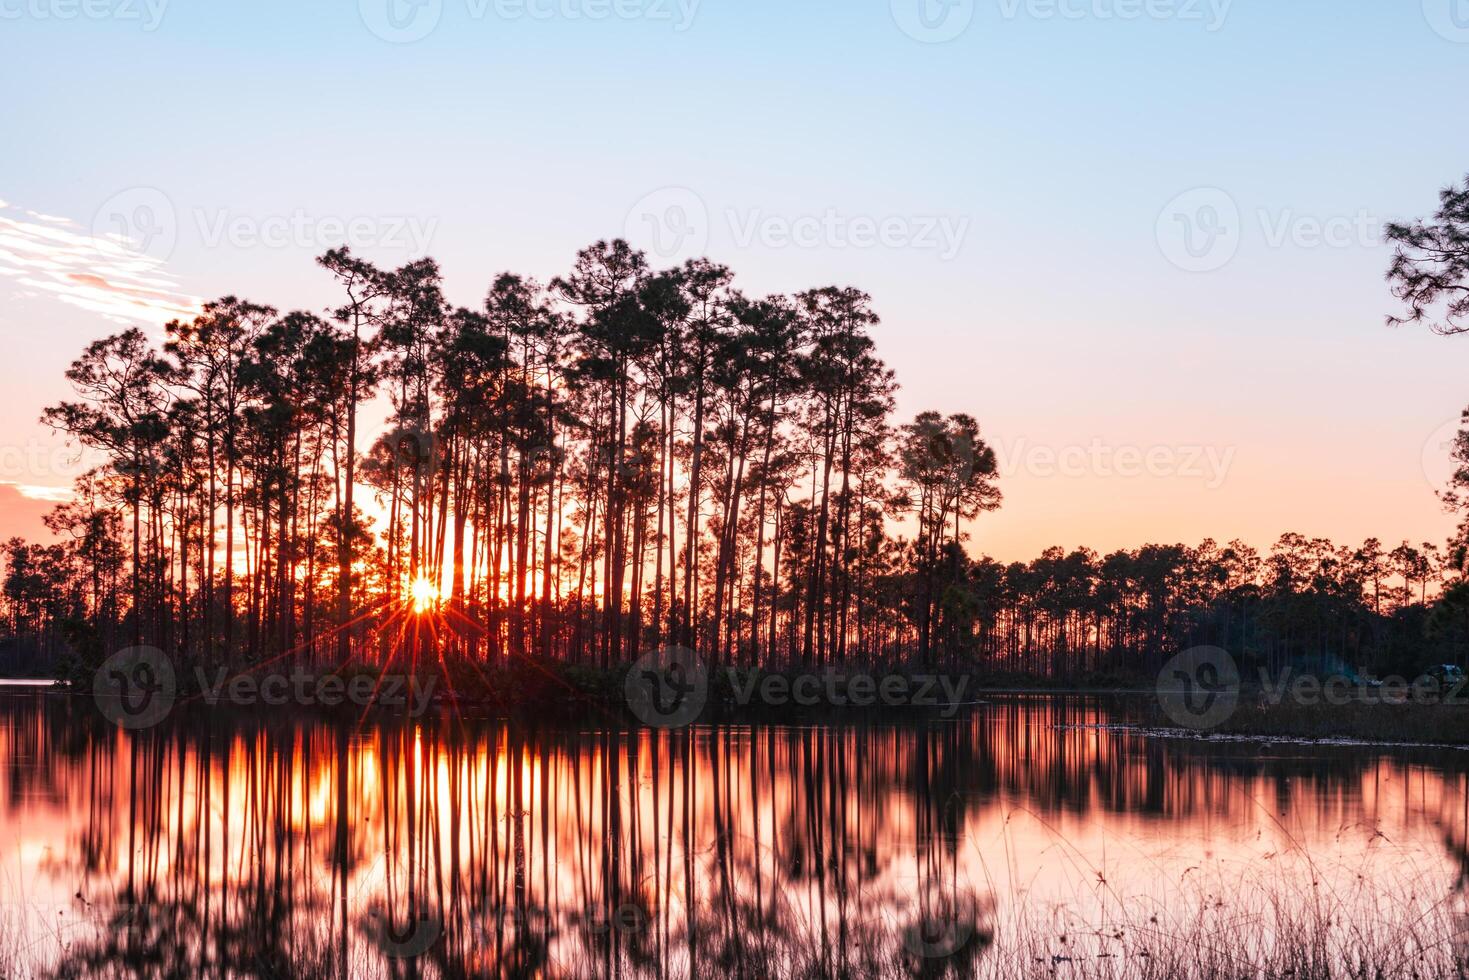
(1139, 240)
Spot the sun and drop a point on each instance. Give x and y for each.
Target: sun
(424, 594)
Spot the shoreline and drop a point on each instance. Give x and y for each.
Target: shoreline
(1261, 739)
(521, 693)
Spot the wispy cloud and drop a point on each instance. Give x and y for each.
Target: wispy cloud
(102, 274)
(33, 492)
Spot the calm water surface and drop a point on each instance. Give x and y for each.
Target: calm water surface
(1029, 828)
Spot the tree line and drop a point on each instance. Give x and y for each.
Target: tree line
(621, 457)
(583, 470)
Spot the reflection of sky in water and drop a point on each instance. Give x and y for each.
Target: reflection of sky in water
(830, 835)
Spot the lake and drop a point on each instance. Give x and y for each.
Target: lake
(1032, 835)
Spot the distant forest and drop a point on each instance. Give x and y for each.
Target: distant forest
(616, 460)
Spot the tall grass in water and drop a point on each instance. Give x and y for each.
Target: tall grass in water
(1251, 926)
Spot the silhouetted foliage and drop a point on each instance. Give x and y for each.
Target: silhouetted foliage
(622, 459)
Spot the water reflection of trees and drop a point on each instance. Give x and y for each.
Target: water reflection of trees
(281, 848)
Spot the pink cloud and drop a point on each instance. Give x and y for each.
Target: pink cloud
(103, 275)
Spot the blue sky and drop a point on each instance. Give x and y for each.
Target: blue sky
(1022, 170)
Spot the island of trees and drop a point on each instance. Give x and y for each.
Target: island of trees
(576, 472)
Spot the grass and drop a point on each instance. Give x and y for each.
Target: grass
(1248, 928)
(1252, 927)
